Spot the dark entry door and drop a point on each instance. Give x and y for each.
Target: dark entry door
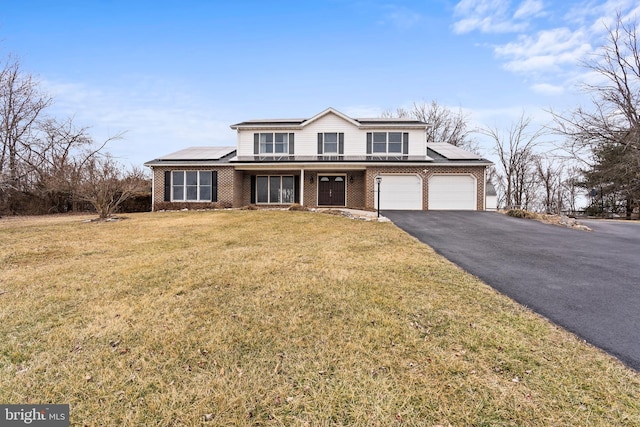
(331, 191)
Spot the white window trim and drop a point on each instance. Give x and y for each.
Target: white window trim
(386, 143)
(273, 143)
(269, 202)
(324, 143)
(184, 187)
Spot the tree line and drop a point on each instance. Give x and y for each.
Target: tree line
(598, 156)
(49, 165)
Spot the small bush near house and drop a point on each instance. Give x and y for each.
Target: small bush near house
(140, 202)
(298, 207)
(192, 206)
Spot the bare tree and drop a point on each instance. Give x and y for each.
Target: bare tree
(445, 124)
(549, 173)
(105, 184)
(46, 160)
(51, 158)
(515, 151)
(571, 187)
(612, 123)
(21, 104)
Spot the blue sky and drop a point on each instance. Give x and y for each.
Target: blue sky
(174, 74)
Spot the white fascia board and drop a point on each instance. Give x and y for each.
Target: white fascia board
(391, 125)
(177, 163)
(328, 111)
(306, 166)
(258, 126)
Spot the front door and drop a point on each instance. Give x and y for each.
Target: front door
(331, 190)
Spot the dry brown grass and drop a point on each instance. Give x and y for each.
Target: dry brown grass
(279, 318)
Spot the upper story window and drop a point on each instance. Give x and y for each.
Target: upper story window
(272, 143)
(387, 143)
(331, 143)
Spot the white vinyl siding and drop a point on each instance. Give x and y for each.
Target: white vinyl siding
(306, 139)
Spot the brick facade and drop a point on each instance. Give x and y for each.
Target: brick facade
(425, 173)
(234, 186)
(226, 187)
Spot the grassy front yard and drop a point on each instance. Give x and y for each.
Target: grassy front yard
(279, 318)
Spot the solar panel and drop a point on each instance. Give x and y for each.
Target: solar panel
(200, 153)
(452, 152)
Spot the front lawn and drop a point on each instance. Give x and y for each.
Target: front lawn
(280, 318)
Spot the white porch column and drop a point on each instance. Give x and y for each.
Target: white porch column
(301, 195)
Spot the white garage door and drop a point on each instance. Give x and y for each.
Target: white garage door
(452, 192)
(401, 192)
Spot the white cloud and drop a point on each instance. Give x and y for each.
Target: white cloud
(596, 14)
(154, 124)
(550, 58)
(529, 8)
(494, 16)
(546, 51)
(556, 49)
(547, 89)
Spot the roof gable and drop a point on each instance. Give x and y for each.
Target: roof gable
(328, 111)
(363, 123)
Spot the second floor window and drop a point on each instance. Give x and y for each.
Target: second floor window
(273, 143)
(331, 143)
(387, 143)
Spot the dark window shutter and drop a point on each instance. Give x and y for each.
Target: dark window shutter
(256, 143)
(405, 143)
(253, 188)
(214, 186)
(291, 148)
(369, 142)
(167, 186)
(296, 189)
(320, 143)
(341, 143)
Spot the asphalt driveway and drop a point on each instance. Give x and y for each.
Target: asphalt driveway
(586, 282)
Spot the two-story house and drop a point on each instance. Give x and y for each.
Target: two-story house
(328, 160)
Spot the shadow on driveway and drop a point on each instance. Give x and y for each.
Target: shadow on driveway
(586, 282)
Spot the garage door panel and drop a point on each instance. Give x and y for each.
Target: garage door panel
(400, 192)
(452, 192)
